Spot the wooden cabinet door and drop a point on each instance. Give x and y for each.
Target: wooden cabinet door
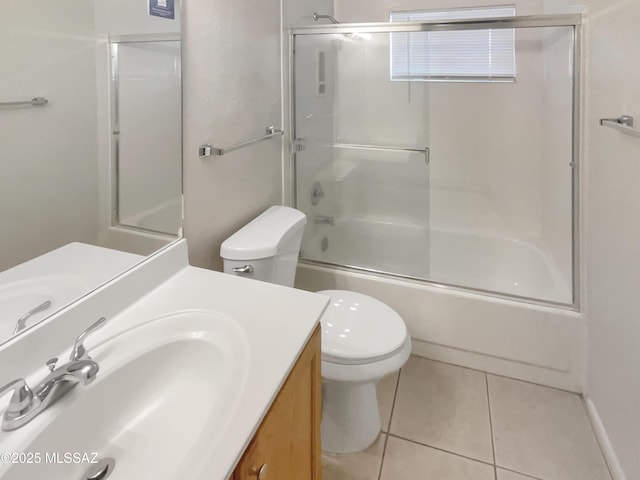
(287, 444)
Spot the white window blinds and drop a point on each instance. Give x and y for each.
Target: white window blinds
(460, 55)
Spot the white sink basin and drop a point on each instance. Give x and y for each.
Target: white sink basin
(159, 406)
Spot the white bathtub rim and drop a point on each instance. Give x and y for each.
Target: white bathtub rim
(449, 289)
(561, 288)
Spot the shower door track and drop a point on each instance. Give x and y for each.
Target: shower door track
(443, 285)
(526, 21)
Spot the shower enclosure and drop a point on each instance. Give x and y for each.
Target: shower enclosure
(146, 93)
(441, 151)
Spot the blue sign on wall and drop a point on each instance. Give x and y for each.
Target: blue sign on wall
(162, 8)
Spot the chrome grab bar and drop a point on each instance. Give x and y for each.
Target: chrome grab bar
(35, 102)
(208, 149)
(425, 151)
(22, 321)
(623, 123)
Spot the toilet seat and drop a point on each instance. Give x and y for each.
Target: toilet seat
(367, 372)
(358, 329)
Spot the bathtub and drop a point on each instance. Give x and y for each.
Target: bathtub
(478, 261)
(146, 232)
(165, 218)
(477, 326)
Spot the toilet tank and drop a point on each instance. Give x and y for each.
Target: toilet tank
(266, 248)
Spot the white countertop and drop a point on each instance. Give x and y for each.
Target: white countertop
(276, 335)
(276, 323)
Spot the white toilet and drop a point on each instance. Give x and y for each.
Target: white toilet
(363, 339)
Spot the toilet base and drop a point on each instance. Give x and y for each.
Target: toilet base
(350, 416)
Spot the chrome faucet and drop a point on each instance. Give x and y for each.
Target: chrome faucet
(323, 220)
(27, 404)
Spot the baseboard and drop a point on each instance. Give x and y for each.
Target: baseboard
(603, 439)
(548, 377)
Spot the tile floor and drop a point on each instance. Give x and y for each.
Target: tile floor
(443, 422)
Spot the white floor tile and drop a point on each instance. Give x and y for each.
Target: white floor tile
(543, 432)
(404, 460)
(507, 475)
(354, 466)
(443, 406)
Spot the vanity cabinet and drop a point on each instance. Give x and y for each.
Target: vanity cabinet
(287, 443)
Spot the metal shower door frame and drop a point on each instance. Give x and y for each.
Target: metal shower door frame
(573, 21)
(114, 118)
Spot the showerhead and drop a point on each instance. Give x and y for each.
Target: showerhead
(352, 35)
(317, 16)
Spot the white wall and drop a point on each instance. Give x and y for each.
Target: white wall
(124, 17)
(48, 177)
(232, 91)
(296, 13)
(234, 59)
(612, 233)
(485, 141)
(371, 110)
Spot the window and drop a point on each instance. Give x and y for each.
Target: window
(454, 56)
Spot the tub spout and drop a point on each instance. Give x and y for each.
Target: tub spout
(323, 220)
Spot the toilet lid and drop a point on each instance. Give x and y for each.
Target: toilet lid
(356, 327)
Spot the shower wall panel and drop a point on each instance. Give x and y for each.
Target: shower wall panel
(371, 110)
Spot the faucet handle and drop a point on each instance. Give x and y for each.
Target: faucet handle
(79, 352)
(51, 363)
(22, 395)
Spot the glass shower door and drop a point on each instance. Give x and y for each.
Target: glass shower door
(362, 157)
(147, 134)
(443, 152)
